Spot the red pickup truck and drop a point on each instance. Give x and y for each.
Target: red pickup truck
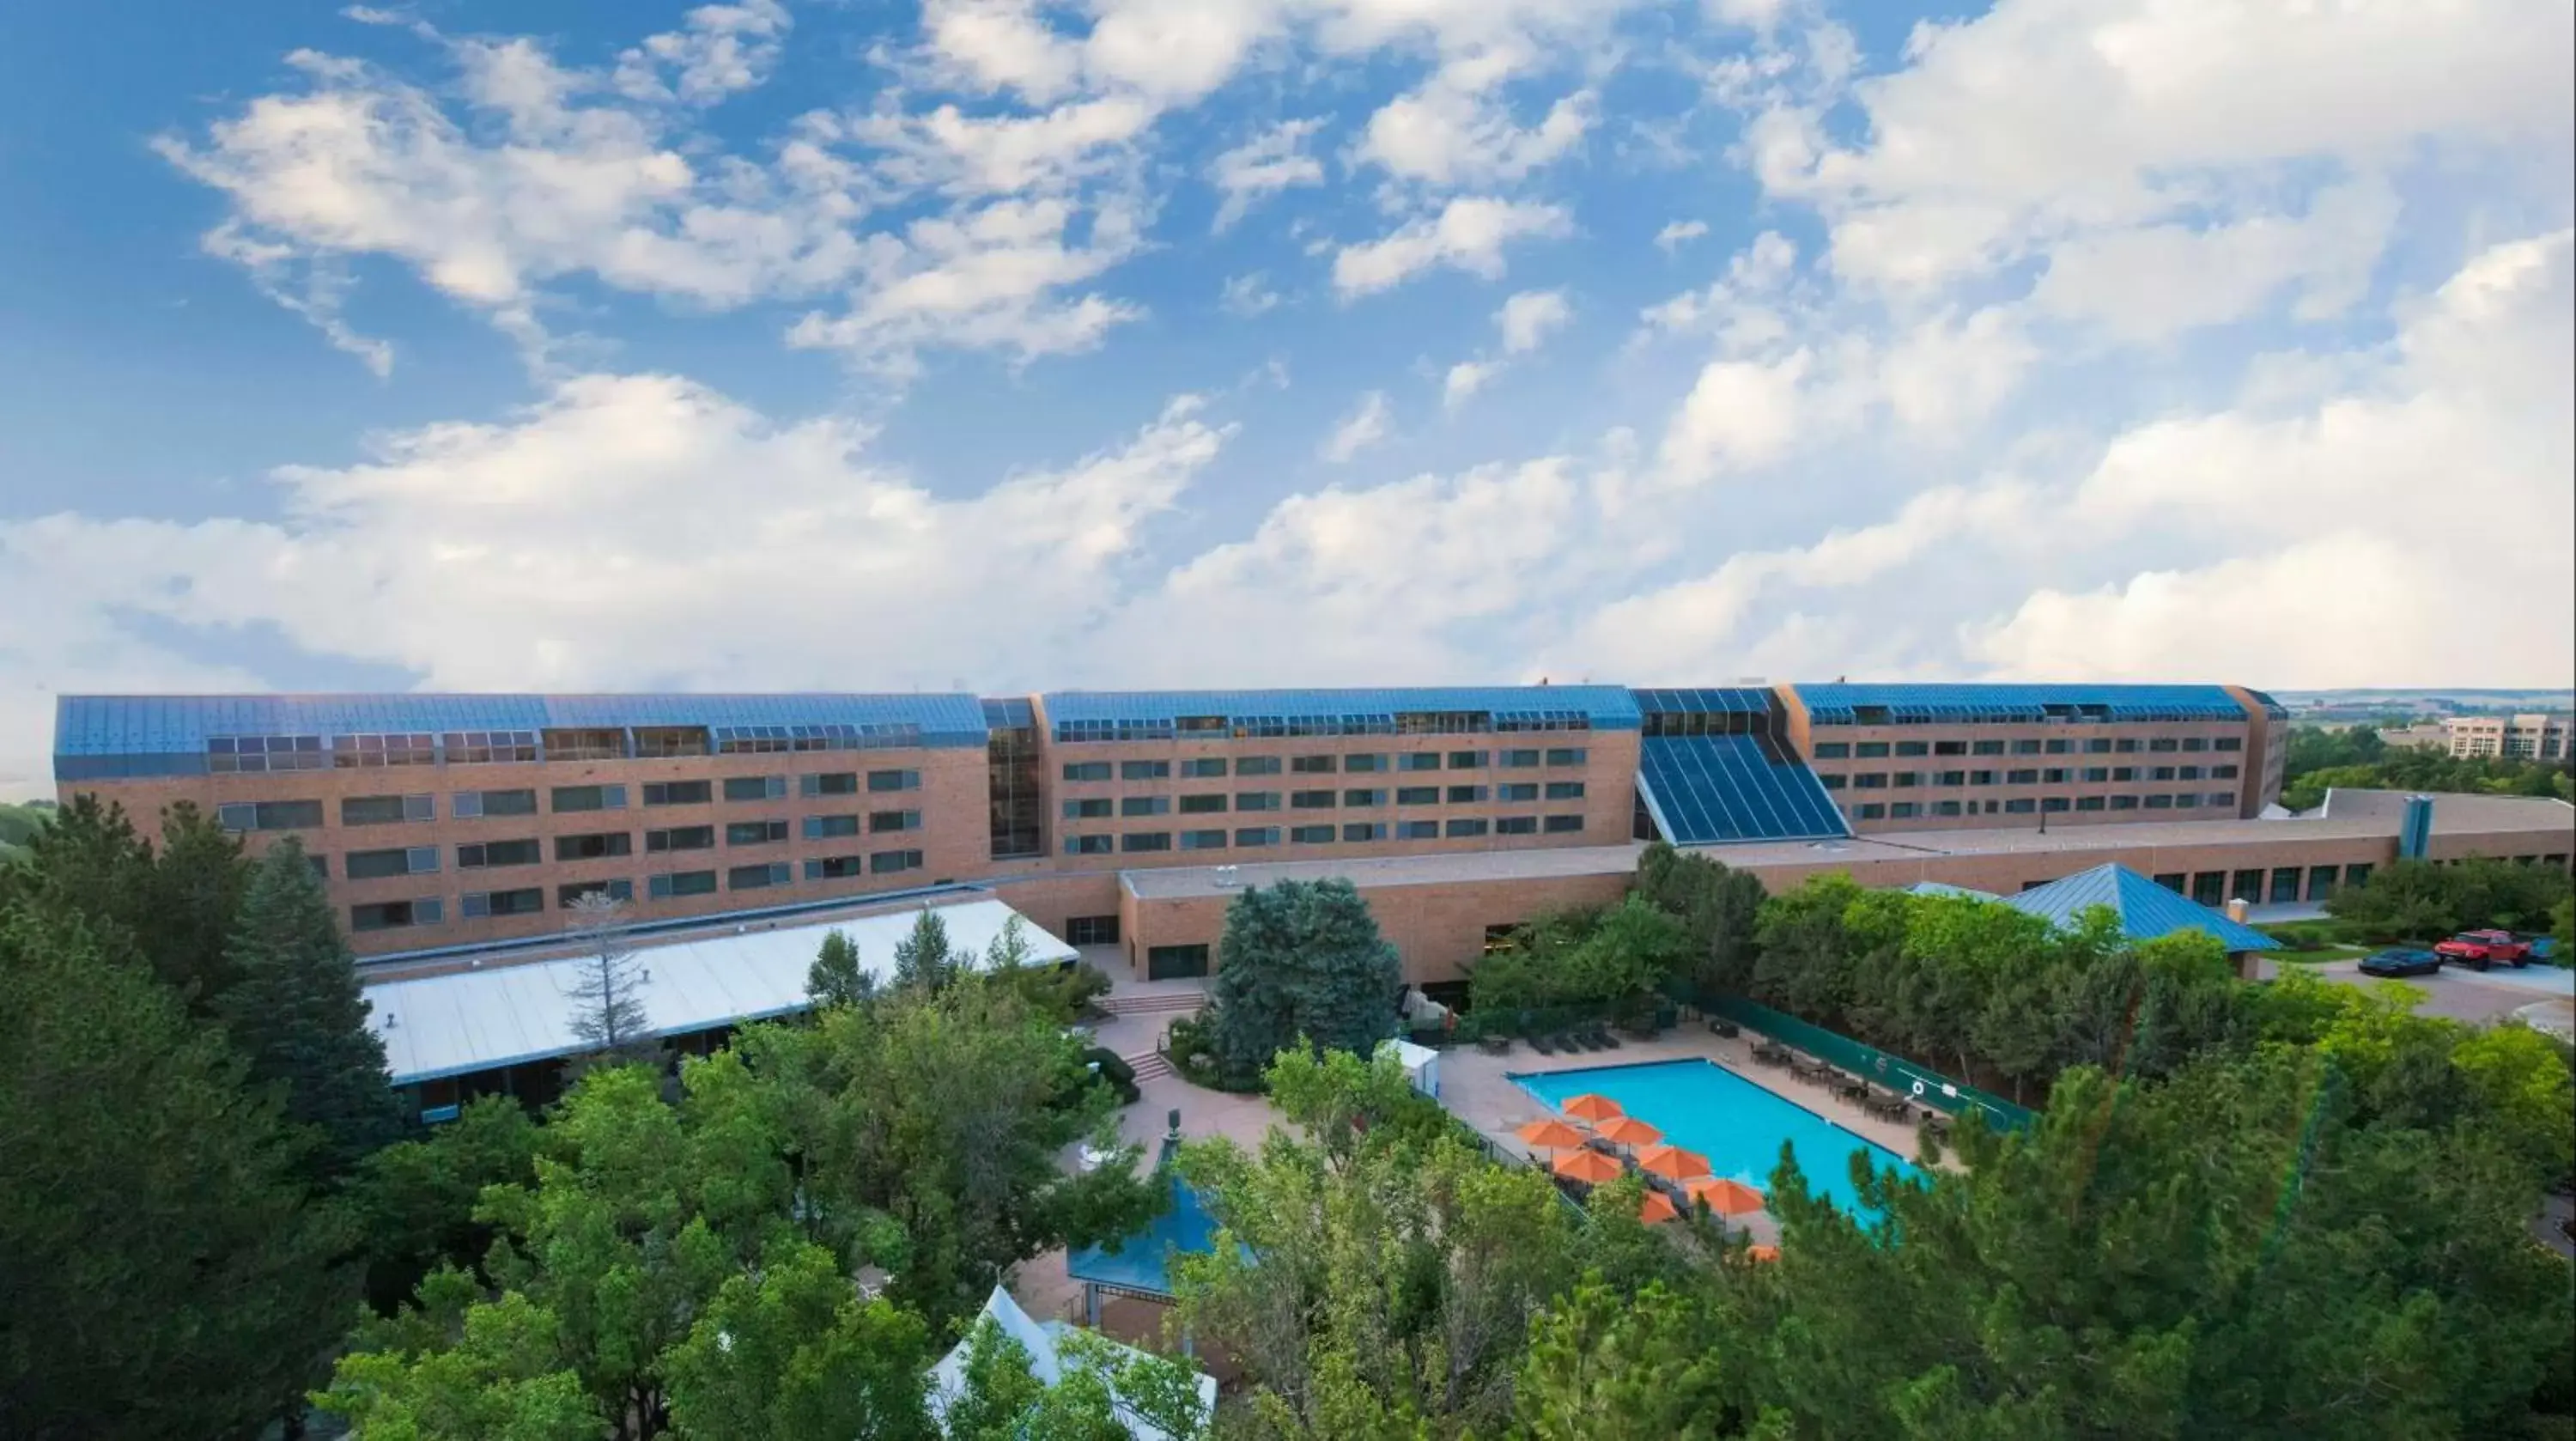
(2478, 950)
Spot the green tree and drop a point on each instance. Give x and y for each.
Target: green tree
(1098, 1390)
(2562, 929)
(176, 908)
(1719, 907)
(1605, 1364)
(1302, 959)
(165, 1273)
(200, 881)
(18, 826)
(924, 959)
(788, 1352)
(836, 978)
(295, 1009)
(415, 1199)
(459, 1368)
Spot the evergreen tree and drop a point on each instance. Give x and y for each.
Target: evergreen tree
(175, 908)
(836, 978)
(297, 1013)
(1301, 958)
(162, 1270)
(200, 880)
(607, 994)
(88, 863)
(922, 959)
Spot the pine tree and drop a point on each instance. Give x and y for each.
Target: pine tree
(607, 994)
(297, 1013)
(200, 880)
(923, 959)
(1301, 958)
(165, 1270)
(836, 978)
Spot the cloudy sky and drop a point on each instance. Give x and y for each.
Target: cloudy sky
(1010, 345)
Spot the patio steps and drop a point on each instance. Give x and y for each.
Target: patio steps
(1153, 1003)
(1149, 1065)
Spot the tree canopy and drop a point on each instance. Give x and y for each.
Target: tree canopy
(1300, 959)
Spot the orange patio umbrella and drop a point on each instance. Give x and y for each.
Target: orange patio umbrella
(1725, 1197)
(1657, 1208)
(1627, 1131)
(1589, 1166)
(1550, 1134)
(1673, 1161)
(1590, 1107)
(1761, 1253)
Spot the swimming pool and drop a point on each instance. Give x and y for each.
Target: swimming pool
(1736, 1124)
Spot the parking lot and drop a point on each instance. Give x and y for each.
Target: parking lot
(2462, 995)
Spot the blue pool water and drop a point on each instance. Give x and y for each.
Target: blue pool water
(1736, 1124)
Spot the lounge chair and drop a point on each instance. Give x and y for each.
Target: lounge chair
(1540, 1045)
(1605, 1039)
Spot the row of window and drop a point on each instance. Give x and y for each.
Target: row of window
(1248, 727)
(2041, 805)
(2053, 746)
(531, 900)
(239, 754)
(604, 845)
(474, 805)
(1217, 802)
(1082, 772)
(2053, 776)
(1355, 832)
(2280, 885)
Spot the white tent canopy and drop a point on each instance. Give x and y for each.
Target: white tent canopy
(507, 1015)
(948, 1378)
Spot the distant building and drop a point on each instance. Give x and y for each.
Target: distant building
(2427, 735)
(2528, 737)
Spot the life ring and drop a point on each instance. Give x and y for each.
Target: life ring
(1918, 1088)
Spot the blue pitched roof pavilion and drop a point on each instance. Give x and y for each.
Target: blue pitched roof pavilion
(2146, 910)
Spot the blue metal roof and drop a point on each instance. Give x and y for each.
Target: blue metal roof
(1944, 888)
(2146, 910)
(142, 726)
(1143, 1262)
(1840, 704)
(1155, 714)
(1730, 700)
(1705, 790)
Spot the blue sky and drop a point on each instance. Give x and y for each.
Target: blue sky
(1134, 342)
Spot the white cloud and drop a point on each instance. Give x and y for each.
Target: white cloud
(1455, 132)
(988, 45)
(1464, 379)
(1468, 233)
(2150, 282)
(1738, 415)
(1678, 233)
(1261, 167)
(1363, 427)
(724, 49)
(1248, 295)
(1527, 318)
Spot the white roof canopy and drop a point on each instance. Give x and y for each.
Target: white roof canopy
(948, 1378)
(507, 1015)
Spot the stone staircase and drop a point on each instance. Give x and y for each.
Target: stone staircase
(1148, 1065)
(1152, 1003)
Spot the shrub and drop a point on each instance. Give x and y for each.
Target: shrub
(1113, 1068)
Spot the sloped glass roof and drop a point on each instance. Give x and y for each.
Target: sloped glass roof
(1706, 790)
(1842, 704)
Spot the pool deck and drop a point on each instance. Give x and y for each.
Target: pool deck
(1479, 1089)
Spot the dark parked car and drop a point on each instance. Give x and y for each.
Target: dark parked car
(2401, 963)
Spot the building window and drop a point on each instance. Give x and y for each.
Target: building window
(269, 815)
(835, 868)
(1981, 778)
(356, 752)
(1417, 830)
(820, 828)
(1418, 761)
(1086, 770)
(1256, 800)
(678, 793)
(2159, 803)
(2088, 803)
(2124, 803)
(1310, 800)
(882, 781)
(476, 904)
(1907, 779)
(2194, 743)
(1561, 825)
(1257, 836)
(2285, 885)
(880, 822)
(2163, 744)
(2187, 802)
(1516, 826)
(1467, 760)
(755, 788)
(1091, 931)
(1203, 840)
(1987, 748)
(483, 855)
(1945, 808)
(1870, 781)
(401, 861)
(391, 810)
(493, 803)
(2228, 743)
(2021, 807)
(755, 833)
(836, 783)
(1204, 767)
(1417, 795)
(1311, 835)
(1144, 805)
(490, 747)
(595, 846)
(1873, 812)
(1256, 765)
(2125, 745)
(680, 883)
(2098, 746)
(1173, 963)
(589, 798)
(573, 891)
(2055, 803)
(1901, 811)
(2160, 773)
(1312, 765)
(1951, 778)
(395, 915)
(1466, 795)
(1144, 770)
(680, 838)
(1093, 809)
(1913, 748)
(1516, 791)
(1358, 831)
(1466, 827)
(1360, 763)
(1870, 750)
(2026, 747)
(2059, 747)
(1145, 841)
(2124, 774)
(2222, 773)
(2096, 775)
(1949, 748)
(1517, 760)
(1203, 805)
(1565, 790)
(2321, 882)
(2021, 778)
(2358, 873)
(2171, 880)
(2209, 888)
(757, 878)
(1834, 782)
(229, 755)
(886, 863)
(1833, 750)
(2053, 776)
(1089, 845)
